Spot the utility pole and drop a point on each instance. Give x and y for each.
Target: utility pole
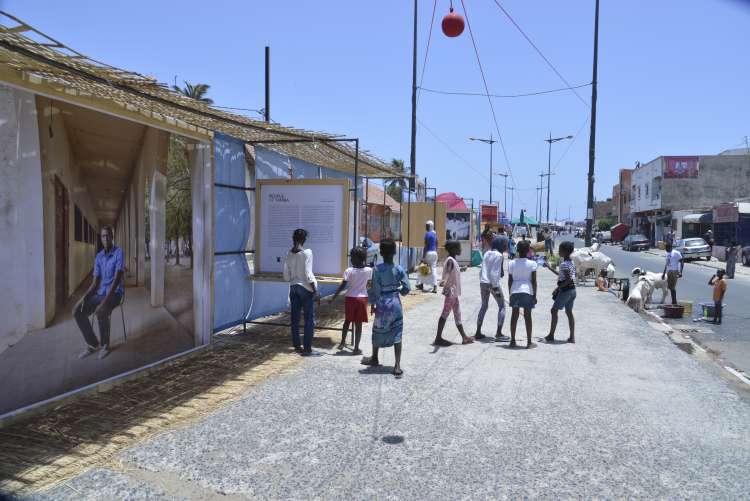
(541, 194)
(512, 192)
(538, 197)
(489, 141)
(505, 192)
(592, 137)
(549, 164)
(413, 155)
(267, 109)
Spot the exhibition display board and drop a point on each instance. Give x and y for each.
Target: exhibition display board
(458, 225)
(418, 213)
(320, 206)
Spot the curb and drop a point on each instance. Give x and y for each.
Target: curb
(670, 332)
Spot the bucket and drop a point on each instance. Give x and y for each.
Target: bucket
(673, 310)
(709, 310)
(687, 306)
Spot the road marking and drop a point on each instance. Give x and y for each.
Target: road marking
(738, 375)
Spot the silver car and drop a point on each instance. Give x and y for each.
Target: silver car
(693, 248)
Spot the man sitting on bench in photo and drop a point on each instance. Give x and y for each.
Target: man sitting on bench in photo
(104, 295)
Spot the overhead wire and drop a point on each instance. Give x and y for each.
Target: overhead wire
(489, 100)
(427, 50)
(481, 94)
(538, 51)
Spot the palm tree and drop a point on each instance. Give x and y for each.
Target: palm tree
(397, 185)
(195, 91)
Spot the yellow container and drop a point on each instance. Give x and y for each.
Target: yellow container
(688, 308)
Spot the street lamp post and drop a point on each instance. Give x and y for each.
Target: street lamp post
(505, 192)
(512, 191)
(549, 164)
(489, 141)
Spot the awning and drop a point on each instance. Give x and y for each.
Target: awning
(705, 218)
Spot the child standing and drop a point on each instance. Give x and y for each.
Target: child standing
(720, 288)
(451, 290)
(303, 290)
(388, 281)
(355, 307)
(522, 286)
(565, 293)
(490, 276)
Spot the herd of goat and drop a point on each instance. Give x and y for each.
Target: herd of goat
(642, 283)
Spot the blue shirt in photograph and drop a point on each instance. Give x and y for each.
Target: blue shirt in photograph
(106, 266)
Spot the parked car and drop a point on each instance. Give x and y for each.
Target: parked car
(635, 243)
(606, 237)
(693, 248)
(746, 255)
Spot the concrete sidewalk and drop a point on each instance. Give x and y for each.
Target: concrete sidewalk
(622, 413)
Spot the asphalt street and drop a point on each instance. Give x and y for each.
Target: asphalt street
(621, 414)
(731, 339)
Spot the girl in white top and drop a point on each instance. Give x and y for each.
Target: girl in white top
(522, 286)
(355, 307)
(303, 289)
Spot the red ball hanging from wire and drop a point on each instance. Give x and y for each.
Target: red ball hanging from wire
(453, 24)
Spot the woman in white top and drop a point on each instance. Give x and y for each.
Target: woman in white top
(303, 290)
(522, 286)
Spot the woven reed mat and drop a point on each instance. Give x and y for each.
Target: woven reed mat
(60, 443)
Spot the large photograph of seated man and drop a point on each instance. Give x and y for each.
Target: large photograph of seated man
(104, 295)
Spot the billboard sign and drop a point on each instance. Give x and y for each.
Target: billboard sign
(489, 213)
(681, 167)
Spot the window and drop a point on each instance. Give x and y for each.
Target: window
(646, 190)
(78, 224)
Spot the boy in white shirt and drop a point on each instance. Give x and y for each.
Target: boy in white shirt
(522, 286)
(490, 276)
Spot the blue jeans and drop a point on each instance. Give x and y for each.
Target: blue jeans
(302, 300)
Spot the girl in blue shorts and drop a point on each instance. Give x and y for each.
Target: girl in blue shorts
(565, 293)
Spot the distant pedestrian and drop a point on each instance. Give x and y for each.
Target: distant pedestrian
(303, 290)
(490, 278)
(487, 235)
(709, 238)
(720, 288)
(669, 238)
(731, 258)
(565, 294)
(429, 257)
(522, 286)
(451, 284)
(503, 241)
(389, 282)
(355, 306)
(673, 270)
(511, 248)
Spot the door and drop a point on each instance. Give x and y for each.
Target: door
(61, 243)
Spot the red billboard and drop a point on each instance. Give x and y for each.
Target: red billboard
(681, 167)
(489, 213)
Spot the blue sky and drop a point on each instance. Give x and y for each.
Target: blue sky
(673, 76)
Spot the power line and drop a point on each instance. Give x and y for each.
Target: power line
(487, 91)
(449, 148)
(427, 50)
(570, 144)
(538, 93)
(507, 14)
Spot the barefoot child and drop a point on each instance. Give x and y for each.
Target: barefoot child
(355, 307)
(388, 281)
(451, 290)
(565, 293)
(522, 286)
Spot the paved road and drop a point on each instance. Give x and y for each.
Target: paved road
(732, 338)
(622, 413)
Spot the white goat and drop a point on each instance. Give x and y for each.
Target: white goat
(585, 260)
(656, 282)
(639, 294)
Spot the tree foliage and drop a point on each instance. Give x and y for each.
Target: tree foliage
(179, 196)
(195, 91)
(605, 224)
(396, 187)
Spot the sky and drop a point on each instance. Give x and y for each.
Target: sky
(673, 77)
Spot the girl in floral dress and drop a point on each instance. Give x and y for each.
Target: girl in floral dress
(389, 282)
